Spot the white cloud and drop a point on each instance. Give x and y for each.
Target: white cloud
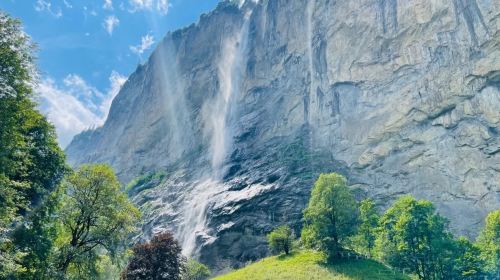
(161, 6)
(67, 4)
(68, 114)
(46, 6)
(146, 42)
(108, 5)
(75, 105)
(83, 91)
(110, 23)
(116, 82)
(141, 4)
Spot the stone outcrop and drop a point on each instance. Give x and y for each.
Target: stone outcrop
(235, 116)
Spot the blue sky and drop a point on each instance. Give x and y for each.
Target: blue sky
(87, 48)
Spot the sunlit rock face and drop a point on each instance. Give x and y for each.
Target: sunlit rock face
(240, 112)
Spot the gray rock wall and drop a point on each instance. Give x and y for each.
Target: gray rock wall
(244, 109)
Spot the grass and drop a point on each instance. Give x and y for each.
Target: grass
(310, 265)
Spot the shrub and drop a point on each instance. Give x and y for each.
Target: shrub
(196, 271)
(280, 239)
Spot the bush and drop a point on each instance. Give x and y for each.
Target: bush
(280, 239)
(196, 271)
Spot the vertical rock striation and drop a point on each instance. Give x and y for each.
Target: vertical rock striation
(241, 111)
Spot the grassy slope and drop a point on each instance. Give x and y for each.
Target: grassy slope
(310, 265)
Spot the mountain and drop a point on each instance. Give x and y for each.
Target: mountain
(231, 119)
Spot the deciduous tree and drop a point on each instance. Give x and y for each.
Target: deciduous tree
(280, 239)
(415, 238)
(95, 219)
(489, 244)
(331, 216)
(159, 259)
(31, 162)
(364, 240)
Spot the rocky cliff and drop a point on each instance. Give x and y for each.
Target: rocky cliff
(232, 118)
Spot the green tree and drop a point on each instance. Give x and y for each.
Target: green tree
(196, 271)
(488, 242)
(31, 162)
(331, 216)
(35, 239)
(364, 240)
(414, 238)
(467, 262)
(280, 239)
(95, 218)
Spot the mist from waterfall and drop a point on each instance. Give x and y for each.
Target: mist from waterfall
(174, 103)
(216, 112)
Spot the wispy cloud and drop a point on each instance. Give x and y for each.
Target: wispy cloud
(110, 23)
(75, 105)
(68, 114)
(67, 4)
(161, 6)
(116, 82)
(108, 5)
(46, 6)
(146, 42)
(141, 4)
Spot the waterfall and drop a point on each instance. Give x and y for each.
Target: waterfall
(231, 69)
(194, 211)
(310, 53)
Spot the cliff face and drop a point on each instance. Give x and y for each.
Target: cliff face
(239, 113)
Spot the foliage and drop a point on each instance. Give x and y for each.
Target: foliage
(280, 239)
(364, 240)
(196, 271)
(31, 162)
(35, 239)
(414, 238)
(94, 220)
(144, 182)
(160, 258)
(467, 262)
(305, 265)
(331, 216)
(488, 242)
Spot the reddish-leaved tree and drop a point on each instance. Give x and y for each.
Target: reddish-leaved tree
(161, 258)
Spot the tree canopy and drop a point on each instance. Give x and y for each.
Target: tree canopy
(331, 216)
(414, 237)
(159, 259)
(31, 162)
(489, 243)
(94, 217)
(364, 240)
(280, 239)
